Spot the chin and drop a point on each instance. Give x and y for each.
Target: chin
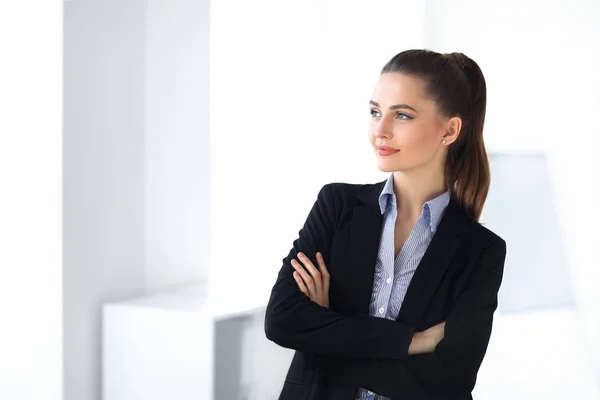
(385, 169)
(388, 167)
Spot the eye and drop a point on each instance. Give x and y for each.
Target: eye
(403, 116)
(374, 113)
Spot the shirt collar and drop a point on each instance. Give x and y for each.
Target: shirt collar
(432, 209)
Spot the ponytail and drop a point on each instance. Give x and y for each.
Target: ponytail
(467, 165)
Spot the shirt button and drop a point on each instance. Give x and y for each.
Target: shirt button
(381, 310)
(389, 280)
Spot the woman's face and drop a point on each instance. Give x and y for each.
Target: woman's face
(405, 121)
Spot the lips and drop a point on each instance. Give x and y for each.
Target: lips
(386, 151)
(386, 148)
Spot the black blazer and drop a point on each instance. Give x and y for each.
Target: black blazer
(342, 348)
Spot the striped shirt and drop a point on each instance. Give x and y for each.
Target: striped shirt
(392, 276)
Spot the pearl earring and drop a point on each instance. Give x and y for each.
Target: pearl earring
(443, 142)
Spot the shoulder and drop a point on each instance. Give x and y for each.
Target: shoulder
(348, 193)
(344, 189)
(339, 198)
(485, 238)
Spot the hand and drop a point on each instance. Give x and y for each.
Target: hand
(427, 341)
(311, 281)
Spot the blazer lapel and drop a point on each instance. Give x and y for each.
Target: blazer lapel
(361, 257)
(433, 265)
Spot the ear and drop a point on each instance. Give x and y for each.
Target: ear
(452, 130)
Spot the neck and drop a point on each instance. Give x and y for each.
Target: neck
(414, 188)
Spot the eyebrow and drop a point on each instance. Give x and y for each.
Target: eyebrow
(394, 107)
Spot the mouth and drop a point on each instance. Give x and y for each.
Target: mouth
(386, 151)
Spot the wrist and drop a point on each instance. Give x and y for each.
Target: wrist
(418, 343)
(422, 342)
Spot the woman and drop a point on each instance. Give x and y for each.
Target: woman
(390, 289)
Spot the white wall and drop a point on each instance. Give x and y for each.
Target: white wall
(536, 271)
(520, 366)
(290, 85)
(177, 143)
(30, 200)
(104, 160)
(576, 166)
(541, 63)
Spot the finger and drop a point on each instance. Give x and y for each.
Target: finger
(324, 272)
(308, 264)
(300, 283)
(314, 272)
(308, 281)
(322, 266)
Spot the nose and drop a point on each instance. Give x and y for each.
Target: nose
(382, 131)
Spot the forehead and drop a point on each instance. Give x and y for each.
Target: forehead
(393, 88)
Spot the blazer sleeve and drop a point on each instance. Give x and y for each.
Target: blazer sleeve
(293, 321)
(452, 369)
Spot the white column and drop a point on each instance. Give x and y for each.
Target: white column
(177, 143)
(30, 200)
(104, 69)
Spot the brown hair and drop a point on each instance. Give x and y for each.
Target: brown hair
(456, 84)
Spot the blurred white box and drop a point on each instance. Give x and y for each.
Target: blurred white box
(539, 354)
(158, 348)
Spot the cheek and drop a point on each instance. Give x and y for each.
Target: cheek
(419, 137)
(417, 148)
(410, 140)
(421, 141)
(372, 134)
(414, 138)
